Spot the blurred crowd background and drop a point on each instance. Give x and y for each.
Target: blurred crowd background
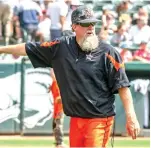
(124, 23)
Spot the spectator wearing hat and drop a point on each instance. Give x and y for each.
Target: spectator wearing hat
(108, 21)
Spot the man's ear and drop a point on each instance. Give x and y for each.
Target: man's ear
(73, 27)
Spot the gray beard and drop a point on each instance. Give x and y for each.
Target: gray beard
(89, 43)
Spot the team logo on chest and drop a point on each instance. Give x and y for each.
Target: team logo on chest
(89, 57)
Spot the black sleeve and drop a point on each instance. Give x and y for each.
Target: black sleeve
(41, 54)
(117, 77)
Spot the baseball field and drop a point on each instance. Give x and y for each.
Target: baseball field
(48, 141)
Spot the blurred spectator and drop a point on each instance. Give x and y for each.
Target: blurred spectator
(143, 54)
(29, 14)
(123, 7)
(140, 32)
(16, 24)
(42, 5)
(104, 35)
(141, 13)
(125, 53)
(6, 15)
(17, 30)
(121, 35)
(73, 4)
(108, 21)
(43, 31)
(126, 18)
(47, 3)
(57, 11)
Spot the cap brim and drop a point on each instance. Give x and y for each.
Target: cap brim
(93, 20)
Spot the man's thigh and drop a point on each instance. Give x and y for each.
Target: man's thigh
(76, 137)
(97, 132)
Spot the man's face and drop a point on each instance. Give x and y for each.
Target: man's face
(85, 34)
(141, 22)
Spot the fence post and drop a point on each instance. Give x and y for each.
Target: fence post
(22, 95)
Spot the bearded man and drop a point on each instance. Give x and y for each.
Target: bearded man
(88, 72)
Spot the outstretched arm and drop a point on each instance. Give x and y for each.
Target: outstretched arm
(18, 49)
(132, 124)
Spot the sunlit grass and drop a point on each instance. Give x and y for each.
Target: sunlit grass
(143, 143)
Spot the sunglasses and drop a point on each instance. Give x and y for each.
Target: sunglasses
(86, 24)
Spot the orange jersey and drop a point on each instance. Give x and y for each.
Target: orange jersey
(58, 109)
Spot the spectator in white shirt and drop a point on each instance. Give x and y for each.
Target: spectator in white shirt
(140, 32)
(43, 31)
(57, 11)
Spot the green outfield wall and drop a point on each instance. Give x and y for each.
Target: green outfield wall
(25, 109)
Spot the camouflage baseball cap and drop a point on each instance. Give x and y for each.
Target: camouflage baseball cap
(83, 14)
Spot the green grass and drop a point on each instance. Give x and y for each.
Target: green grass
(145, 143)
(131, 143)
(28, 142)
